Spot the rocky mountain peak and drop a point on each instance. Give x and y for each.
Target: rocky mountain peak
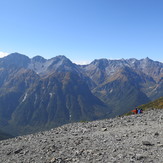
(61, 59)
(16, 60)
(17, 56)
(62, 64)
(38, 59)
(45, 67)
(147, 59)
(98, 61)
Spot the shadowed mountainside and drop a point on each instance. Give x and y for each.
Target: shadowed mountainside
(4, 136)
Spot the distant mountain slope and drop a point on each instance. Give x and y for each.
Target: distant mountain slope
(38, 94)
(4, 136)
(157, 104)
(32, 99)
(56, 100)
(125, 84)
(122, 92)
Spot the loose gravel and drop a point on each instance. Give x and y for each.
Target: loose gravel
(129, 139)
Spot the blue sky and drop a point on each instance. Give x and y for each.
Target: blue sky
(83, 30)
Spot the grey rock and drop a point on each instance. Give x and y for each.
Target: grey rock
(147, 143)
(18, 151)
(120, 143)
(140, 156)
(104, 129)
(160, 145)
(156, 134)
(53, 160)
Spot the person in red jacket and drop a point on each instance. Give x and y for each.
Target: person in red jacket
(135, 111)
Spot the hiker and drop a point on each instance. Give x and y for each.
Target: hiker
(140, 111)
(135, 111)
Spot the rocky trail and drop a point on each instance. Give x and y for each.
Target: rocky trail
(129, 139)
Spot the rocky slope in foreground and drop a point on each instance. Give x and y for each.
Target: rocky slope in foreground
(135, 138)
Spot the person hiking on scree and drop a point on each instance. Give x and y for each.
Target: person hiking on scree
(140, 111)
(135, 111)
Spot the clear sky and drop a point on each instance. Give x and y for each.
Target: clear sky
(82, 30)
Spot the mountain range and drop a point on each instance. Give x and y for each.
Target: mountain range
(38, 94)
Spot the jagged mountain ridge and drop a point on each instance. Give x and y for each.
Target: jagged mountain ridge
(37, 93)
(127, 82)
(32, 100)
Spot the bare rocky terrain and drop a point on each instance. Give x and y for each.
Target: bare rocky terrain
(129, 139)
